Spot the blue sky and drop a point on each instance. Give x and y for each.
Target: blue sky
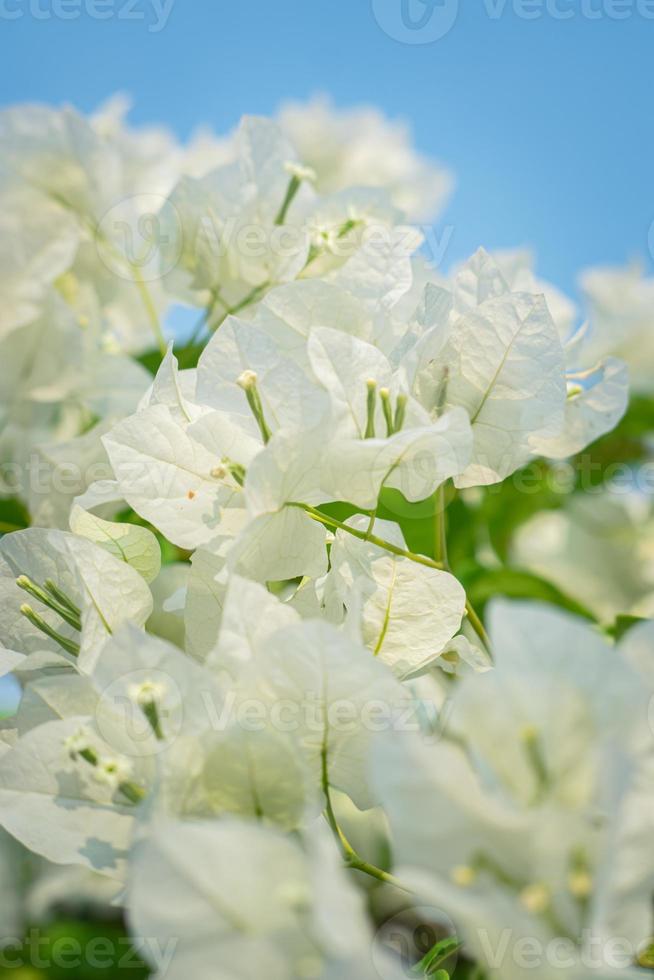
(547, 122)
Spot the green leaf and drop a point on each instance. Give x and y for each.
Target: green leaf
(484, 584)
(622, 625)
(627, 443)
(75, 950)
(14, 516)
(187, 357)
(170, 553)
(135, 545)
(507, 505)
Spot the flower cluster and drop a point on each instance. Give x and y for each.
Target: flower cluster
(254, 674)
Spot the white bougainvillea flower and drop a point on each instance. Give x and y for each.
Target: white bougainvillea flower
(204, 601)
(178, 461)
(519, 842)
(337, 697)
(307, 679)
(54, 696)
(408, 613)
(279, 541)
(289, 663)
(37, 246)
(597, 400)
(517, 269)
(504, 365)
(288, 313)
(532, 652)
(58, 155)
(246, 899)
(599, 548)
(149, 693)
(59, 388)
(108, 187)
(416, 461)
(619, 303)
(249, 616)
(359, 147)
(548, 880)
(74, 594)
(167, 477)
(244, 767)
(255, 222)
(242, 351)
(62, 807)
(105, 733)
(226, 227)
(381, 272)
(150, 155)
(498, 354)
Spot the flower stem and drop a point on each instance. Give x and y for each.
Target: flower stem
(70, 646)
(150, 308)
(292, 189)
(332, 523)
(350, 856)
(252, 297)
(477, 625)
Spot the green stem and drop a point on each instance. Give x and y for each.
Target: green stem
(251, 297)
(70, 646)
(477, 625)
(291, 191)
(61, 596)
(205, 319)
(150, 308)
(331, 523)
(134, 793)
(350, 856)
(151, 713)
(440, 534)
(70, 616)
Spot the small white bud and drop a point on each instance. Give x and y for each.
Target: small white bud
(463, 875)
(112, 771)
(247, 379)
(77, 742)
(535, 898)
(580, 883)
(148, 692)
(298, 170)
